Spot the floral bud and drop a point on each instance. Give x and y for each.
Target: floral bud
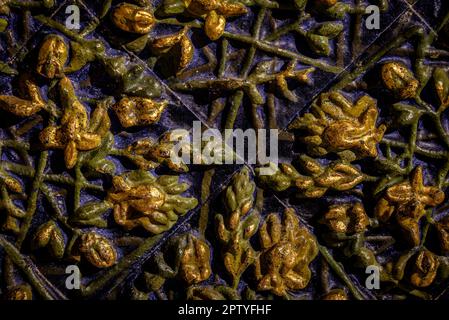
(52, 57)
(98, 250)
(20, 292)
(399, 79)
(425, 269)
(132, 18)
(325, 3)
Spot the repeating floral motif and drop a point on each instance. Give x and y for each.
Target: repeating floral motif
(86, 177)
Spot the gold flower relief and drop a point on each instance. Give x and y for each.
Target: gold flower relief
(75, 132)
(335, 294)
(408, 202)
(29, 103)
(237, 226)
(335, 124)
(418, 268)
(425, 269)
(53, 55)
(287, 251)
(97, 250)
(141, 200)
(346, 218)
(215, 13)
(137, 111)
(317, 178)
(442, 227)
(400, 80)
(191, 259)
(178, 45)
(149, 154)
(132, 18)
(195, 261)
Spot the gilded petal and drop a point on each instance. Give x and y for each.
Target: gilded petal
(215, 25)
(19, 107)
(231, 9)
(98, 250)
(52, 138)
(131, 18)
(70, 154)
(52, 57)
(88, 141)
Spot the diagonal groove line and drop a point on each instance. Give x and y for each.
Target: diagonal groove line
(349, 67)
(42, 26)
(423, 20)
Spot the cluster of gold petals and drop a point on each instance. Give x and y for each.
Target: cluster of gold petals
(443, 233)
(75, 132)
(148, 154)
(399, 79)
(142, 200)
(346, 218)
(287, 251)
(30, 103)
(335, 294)
(195, 261)
(425, 269)
(178, 42)
(98, 250)
(335, 124)
(408, 201)
(132, 18)
(137, 111)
